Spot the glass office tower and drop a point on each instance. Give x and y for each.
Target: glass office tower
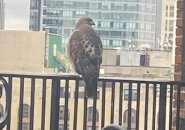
(120, 23)
(2, 13)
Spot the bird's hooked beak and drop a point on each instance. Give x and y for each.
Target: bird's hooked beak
(92, 23)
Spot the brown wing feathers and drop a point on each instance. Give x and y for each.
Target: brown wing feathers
(85, 52)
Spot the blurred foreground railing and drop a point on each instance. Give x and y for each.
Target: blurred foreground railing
(51, 102)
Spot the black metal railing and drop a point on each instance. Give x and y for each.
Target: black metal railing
(133, 104)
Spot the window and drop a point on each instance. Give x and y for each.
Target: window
(61, 118)
(105, 24)
(67, 13)
(44, 12)
(61, 127)
(68, 3)
(80, 94)
(117, 42)
(134, 94)
(170, 28)
(66, 32)
(144, 60)
(26, 115)
(171, 8)
(90, 128)
(99, 24)
(26, 111)
(171, 14)
(90, 114)
(94, 6)
(166, 7)
(123, 43)
(111, 24)
(79, 13)
(25, 126)
(106, 5)
(115, 33)
(170, 35)
(103, 33)
(110, 43)
(133, 118)
(62, 92)
(171, 22)
(171, 11)
(61, 112)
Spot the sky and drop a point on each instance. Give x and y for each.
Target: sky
(17, 14)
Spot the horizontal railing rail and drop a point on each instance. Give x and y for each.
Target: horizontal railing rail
(57, 102)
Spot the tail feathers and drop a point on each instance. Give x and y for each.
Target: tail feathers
(91, 87)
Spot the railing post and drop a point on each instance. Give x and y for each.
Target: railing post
(162, 106)
(55, 96)
(5, 116)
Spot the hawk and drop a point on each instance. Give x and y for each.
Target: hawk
(85, 52)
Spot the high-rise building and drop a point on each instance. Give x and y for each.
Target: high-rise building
(2, 12)
(168, 22)
(168, 26)
(120, 23)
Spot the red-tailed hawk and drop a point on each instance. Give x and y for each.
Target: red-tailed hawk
(85, 52)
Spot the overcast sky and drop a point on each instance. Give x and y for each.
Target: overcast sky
(17, 14)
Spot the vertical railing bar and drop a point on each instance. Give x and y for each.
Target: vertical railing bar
(120, 103)
(146, 106)
(162, 107)
(178, 107)
(43, 104)
(112, 102)
(21, 102)
(138, 105)
(66, 105)
(5, 116)
(129, 106)
(85, 110)
(154, 107)
(32, 103)
(76, 105)
(10, 85)
(171, 103)
(55, 98)
(103, 104)
(94, 110)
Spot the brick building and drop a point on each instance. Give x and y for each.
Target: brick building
(179, 60)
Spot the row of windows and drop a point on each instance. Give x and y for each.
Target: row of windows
(102, 6)
(113, 43)
(81, 94)
(128, 34)
(26, 114)
(103, 24)
(129, 16)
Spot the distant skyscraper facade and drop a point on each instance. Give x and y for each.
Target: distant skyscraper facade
(120, 23)
(168, 20)
(2, 12)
